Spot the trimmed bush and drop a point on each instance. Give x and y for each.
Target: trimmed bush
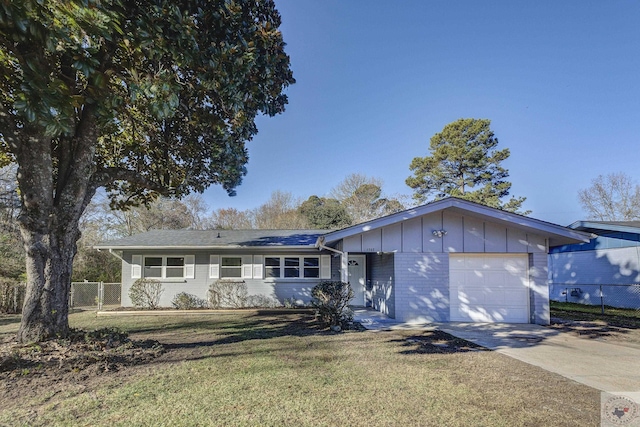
(186, 301)
(331, 300)
(145, 293)
(228, 294)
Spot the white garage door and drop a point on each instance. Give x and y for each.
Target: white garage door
(489, 288)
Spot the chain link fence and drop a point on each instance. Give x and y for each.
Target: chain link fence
(85, 295)
(605, 296)
(94, 295)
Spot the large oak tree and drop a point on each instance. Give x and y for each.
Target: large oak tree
(142, 97)
(464, 162)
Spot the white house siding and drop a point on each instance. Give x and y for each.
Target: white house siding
(418, 288)
(587, 270)
(382, 282)
(424, 292)
(277, 289)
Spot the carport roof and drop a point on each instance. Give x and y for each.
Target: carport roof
(557, 234)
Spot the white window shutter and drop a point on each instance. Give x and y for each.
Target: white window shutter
(214, 266)
(136, 266)
(247, 267)
(325, 266)
(257, 267)
(189, 266)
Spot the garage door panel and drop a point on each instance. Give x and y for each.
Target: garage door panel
(489, 288)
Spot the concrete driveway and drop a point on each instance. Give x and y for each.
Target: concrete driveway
(598, 364)
(601, 365)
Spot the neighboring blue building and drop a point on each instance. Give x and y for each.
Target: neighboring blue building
(612, 257)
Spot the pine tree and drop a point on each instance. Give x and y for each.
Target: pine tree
(464, 162)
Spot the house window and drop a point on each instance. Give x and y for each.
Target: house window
(175, 267)
(165, 267)
(231, 267)
(153, 267)
(271, 267)
(292, 267)
(312, 267)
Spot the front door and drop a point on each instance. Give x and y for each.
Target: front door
(357, 278)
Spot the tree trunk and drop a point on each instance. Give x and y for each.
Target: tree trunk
(55, 181)
(49, 262)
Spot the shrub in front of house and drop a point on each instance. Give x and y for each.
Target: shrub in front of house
(145, 293)
(186, 301)
(262, 301)
(331, 300)
(228, 294)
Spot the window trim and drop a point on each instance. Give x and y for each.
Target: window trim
(163, 267)
(301, 267)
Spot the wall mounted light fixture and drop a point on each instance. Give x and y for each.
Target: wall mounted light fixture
(439, 233)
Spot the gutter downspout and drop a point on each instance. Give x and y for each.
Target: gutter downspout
(113, 253)
(344, 259)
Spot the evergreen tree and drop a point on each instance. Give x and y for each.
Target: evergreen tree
(464, 162)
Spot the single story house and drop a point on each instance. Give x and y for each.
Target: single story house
(610, 258)
(449, 260)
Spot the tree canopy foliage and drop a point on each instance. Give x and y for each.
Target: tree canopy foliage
(464, 162)
(143, 98)
(611, 197)
(362, 197)
(325, 213)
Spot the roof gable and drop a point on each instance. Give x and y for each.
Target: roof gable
(556, 234)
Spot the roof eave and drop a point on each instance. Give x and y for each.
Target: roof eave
(605, 227)
(191, 247)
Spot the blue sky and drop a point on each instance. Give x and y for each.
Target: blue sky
(560, 81)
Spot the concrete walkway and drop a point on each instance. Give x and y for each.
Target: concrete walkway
(598, 364)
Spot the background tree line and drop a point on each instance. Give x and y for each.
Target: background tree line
(356, 199)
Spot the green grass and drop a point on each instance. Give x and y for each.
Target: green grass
(281, 370)
(612, 315)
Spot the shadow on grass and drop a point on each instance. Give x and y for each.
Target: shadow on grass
(593, 325)
(435, 342)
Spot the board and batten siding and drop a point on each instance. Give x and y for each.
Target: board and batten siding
(464, 233)
(206, 270)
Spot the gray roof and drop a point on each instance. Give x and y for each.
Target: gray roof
(600, 226)
(203, 239)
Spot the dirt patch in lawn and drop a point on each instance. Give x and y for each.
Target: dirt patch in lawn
(84, 357)
(614, 329)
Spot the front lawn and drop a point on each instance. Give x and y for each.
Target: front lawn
(251, 369)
